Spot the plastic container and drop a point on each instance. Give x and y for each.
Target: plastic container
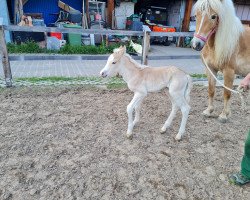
(74, 38)
(163, 29)
(75, 16)
(57, 35)
(53, 43)
(136, 26)
(38, 22)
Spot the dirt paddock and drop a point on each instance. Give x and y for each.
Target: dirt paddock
(69, 143)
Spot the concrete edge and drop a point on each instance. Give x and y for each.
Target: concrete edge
(30, 57)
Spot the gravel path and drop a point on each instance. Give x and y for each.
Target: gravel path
(69, 143)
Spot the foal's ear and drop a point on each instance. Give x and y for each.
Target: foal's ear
(123, 49)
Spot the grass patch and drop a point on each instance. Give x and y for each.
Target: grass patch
(111, 83)
(198, 75)
(56, 79)
(32, 47)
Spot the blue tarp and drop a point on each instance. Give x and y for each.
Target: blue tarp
(49, 8)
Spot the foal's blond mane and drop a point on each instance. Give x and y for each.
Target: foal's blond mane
(229, 29)
(136, 64)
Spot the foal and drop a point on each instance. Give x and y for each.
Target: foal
(142, 79)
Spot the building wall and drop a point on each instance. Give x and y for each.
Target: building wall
(176, 11)
(243, 12)
(5, 15)
(48, 8)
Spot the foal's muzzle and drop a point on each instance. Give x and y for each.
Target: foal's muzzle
(103, 74)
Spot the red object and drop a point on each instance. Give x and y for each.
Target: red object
(163, 29)
(57, 35)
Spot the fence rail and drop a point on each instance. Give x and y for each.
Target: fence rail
(146, 40)
(93, 31)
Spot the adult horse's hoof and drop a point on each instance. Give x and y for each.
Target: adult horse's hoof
(207, 112)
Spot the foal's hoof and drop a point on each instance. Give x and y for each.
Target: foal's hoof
(178, 137)
(162, 130)
(129, 136)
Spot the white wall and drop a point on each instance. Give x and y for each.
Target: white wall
(175, 13)
(243, 12)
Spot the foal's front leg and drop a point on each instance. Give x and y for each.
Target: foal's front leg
(137, 99)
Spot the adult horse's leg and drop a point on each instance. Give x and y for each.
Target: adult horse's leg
(228, 81)
(138, 97)
(211, 92)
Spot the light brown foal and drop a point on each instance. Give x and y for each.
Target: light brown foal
(142, 80)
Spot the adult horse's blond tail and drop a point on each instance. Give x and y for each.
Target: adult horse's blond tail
(188, 88)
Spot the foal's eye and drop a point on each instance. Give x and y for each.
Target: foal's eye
(213, 16)
(113, 63)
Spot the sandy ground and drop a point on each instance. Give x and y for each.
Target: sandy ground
(69, 143)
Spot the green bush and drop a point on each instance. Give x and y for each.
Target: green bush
(32, 47)
(28, 47)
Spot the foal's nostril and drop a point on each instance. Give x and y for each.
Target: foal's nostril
(103, 74)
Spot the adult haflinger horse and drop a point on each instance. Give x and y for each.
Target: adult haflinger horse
(142, 79)
(225, 46)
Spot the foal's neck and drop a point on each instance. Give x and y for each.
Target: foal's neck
(129, 69)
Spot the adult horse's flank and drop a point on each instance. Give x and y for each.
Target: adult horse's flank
(225, 46)
(142, 79)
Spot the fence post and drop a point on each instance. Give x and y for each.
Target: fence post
(145, 47)
(5, 57)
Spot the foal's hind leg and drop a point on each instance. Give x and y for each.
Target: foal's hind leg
(185, 108)
(170, 118)
(179, 100)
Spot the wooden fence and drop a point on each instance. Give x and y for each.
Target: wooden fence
(146, 40)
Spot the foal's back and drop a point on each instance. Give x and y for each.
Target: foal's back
(157, 78)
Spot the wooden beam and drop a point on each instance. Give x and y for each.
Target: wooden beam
(145, 47)
(93, 31)
(87, 11)
(111, 7)
(64, 6)
(15, 11)
(186, 20)
(20, 8)
(25, 1)
(5, 57)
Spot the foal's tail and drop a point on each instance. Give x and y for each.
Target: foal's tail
(188, 88)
